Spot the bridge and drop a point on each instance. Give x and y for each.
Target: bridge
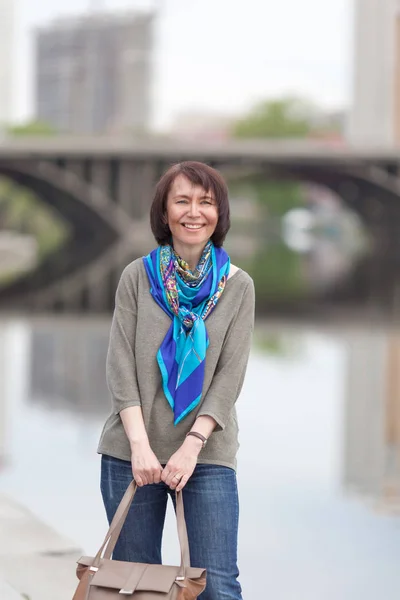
(103, 187)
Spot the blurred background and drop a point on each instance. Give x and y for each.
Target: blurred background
(298, 104)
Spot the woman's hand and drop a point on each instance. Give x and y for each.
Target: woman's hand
(145, 465)
(181, 465)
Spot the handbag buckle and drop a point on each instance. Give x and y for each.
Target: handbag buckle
(95, 569)
(127, 592)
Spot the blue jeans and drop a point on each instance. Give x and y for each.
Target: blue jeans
(211, 513)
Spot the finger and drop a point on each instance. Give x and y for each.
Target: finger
(144, 478)
(139, 480)
(175, 480)
(182, 483)
(150, 477)
(157, 475)
(167, 477)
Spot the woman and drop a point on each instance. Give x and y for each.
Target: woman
(179, 346)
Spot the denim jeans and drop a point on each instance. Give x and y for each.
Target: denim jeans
(211, 512)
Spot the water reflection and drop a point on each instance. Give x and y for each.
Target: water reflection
(320, 433)
(67, 367)
(372, 431)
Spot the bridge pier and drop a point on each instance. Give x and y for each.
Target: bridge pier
(76, 167)
(100, 175)
(135, 187)
(128, 186)
(134, 194)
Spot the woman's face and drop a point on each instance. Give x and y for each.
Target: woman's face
(192, 213)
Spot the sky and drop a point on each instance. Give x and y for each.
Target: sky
(220, 55)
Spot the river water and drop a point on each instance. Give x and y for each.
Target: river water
(318, 472)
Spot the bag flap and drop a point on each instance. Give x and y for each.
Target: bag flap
(155, 578)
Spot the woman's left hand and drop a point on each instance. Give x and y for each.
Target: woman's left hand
(181, 465)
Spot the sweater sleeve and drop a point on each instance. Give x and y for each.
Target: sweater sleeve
(231, 367)
(121, 365)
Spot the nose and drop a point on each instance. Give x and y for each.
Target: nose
(193, 209)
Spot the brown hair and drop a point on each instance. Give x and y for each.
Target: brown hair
(199, 174)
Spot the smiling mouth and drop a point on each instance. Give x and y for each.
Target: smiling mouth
(192, 227)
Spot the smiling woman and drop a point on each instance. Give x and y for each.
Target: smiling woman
(191, 216)
(179, 346)
(202, 194)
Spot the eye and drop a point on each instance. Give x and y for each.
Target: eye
(206, 202)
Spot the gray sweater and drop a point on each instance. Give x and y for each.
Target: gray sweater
(133, 376)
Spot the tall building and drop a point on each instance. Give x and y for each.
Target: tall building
(375, 114)
(93, 73)
(6, 62)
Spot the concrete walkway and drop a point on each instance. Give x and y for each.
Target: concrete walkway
(36, 563)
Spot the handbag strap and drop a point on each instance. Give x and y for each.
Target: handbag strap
(116, 524)
(118, 521)
(182, 532)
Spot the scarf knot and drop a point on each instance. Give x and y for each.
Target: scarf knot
(188, 297)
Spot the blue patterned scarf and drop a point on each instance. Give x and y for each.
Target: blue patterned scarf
(188, 297)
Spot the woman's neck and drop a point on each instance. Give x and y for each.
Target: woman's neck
(191, 254)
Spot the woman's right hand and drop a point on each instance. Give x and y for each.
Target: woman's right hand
(146, 468)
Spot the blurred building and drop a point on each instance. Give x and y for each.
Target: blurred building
(372, 431)
(329, 127)
(93, 73)
(6, 62)
(204, 126)
(375, 114)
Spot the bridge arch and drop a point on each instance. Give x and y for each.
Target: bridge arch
(374, 195)
(93, 216)
(365, 182)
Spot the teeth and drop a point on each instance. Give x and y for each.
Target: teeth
(193, 226)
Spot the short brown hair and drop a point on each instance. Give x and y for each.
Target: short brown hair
(199, 174)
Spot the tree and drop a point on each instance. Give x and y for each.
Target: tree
(281, 118)
(31, 128)
(276, 270)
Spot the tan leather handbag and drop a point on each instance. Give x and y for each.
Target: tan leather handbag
(102, 578)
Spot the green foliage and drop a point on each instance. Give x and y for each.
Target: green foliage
(22, 211)
(277, 272)
(275, 198)
(278, 344)
(31, 128)
(282, 118)
(271, 344)
(278, 196)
